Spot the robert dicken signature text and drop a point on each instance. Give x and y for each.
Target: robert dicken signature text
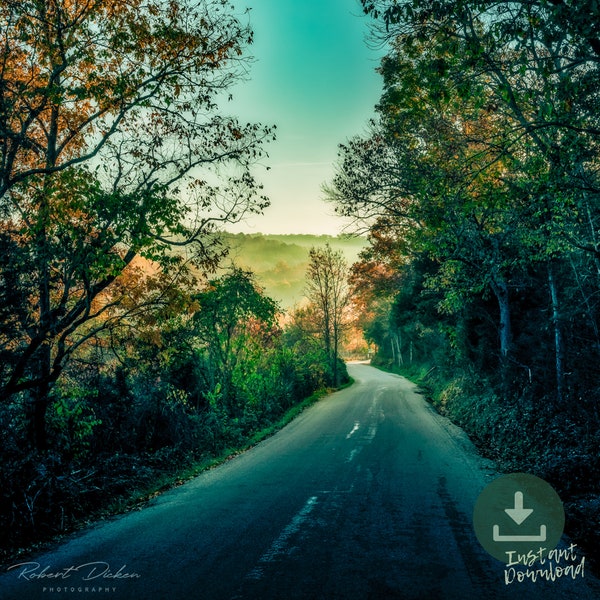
(92, 571)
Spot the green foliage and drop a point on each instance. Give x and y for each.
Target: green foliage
(107, 148)
(484, 161)
(117, 171)
(172, 388)
(72, 421)
(479, 183)
(327, 292)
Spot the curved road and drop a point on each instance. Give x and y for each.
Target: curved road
(367, 494)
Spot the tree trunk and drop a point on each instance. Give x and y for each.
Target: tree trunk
(590, 312)
(44, 362)
(44, 365)
(336, 374)
(558, 337)
(40, 405)
(398, 339)
(500, 290)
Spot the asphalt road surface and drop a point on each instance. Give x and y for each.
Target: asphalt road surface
(368, 494)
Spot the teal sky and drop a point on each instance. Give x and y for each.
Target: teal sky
(314, 77)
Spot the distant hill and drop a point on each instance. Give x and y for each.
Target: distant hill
(280, 261)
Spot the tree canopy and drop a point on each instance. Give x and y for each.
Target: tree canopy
(112, 150)
(484, 159)
(478, 183)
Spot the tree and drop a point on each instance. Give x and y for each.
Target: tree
(233, 313)
(539, 69)
(109, 131)
(327, 290)
(435, 186)
(486, 152)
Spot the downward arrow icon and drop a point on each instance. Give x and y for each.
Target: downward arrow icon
(518, 514)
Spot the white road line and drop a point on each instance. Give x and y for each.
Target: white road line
(371, 433)
(353, 454)
(354, 430)
(280, 545)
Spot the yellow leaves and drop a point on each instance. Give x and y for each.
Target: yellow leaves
(153, 9)
(73, 60)
(193, 307)
(152, 337)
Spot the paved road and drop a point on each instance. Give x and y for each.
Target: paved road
(368, 494)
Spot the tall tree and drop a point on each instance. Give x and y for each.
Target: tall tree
(232, 310)
(435, 184)
(109, 128)
(327, 290)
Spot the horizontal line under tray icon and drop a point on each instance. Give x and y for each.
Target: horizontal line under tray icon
(519, 538)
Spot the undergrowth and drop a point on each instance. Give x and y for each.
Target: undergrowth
(120, 482)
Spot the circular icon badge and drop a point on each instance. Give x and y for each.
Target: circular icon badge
(518, 517)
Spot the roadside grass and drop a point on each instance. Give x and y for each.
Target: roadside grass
(165, 475)
(526, 437)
